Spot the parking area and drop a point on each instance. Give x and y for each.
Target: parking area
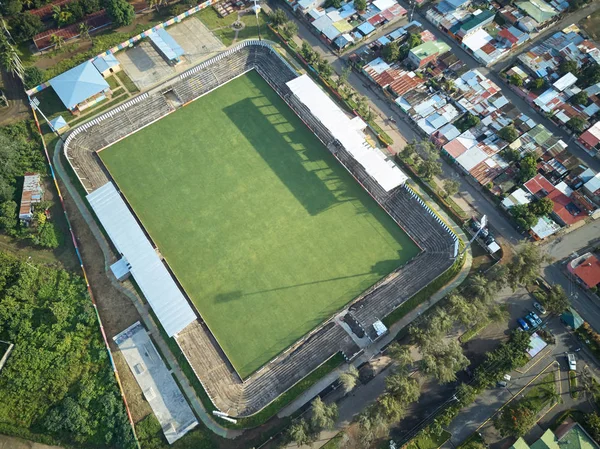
(146, 66)
(196, 39)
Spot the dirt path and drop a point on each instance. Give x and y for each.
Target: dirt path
(18, 443)
(17, 108)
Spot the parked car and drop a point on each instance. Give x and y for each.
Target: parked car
(536, 318)
(532, 321)
(523, 324)
(540, 308)
(504, 382)
(572, 362)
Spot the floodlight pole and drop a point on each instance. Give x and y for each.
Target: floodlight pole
(483, 225)
(256, 11)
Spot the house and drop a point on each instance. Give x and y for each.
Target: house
(565, 211)
(427, 52)
(107, 64)
(573, 320)
(592, 189)
(539, 10)
(545, 227)
(477, 21)
(517, 198)
(569, 435)
(590, 139)
(81, 87)
(586, 269)
(31, 195)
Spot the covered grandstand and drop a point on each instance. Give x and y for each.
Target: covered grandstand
(341, 135)
(147, 268)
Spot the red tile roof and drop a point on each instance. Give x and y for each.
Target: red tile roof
(561, 204)
(589, 139)
(589, 271)
(508, 36)
(538, 183)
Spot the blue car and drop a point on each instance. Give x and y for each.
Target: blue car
(523, 324)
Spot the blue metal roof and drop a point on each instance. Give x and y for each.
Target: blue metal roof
(383, 40)
(331, 32)
(58, 122)
(103, 63)
(366, 28)
(166, 44)
(78, 84)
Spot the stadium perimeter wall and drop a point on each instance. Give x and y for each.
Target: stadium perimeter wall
(224, 387)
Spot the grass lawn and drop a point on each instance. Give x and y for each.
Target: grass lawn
(221, 26)
(266, 231)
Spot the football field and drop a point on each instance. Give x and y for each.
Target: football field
(266, 232)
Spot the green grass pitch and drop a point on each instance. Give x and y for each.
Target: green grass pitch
(266, 231)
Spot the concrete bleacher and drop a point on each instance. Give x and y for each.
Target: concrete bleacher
(228, 392)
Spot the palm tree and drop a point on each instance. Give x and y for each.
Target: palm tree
(84, 31)
(56, 13)
(9, 57)
(57, 40)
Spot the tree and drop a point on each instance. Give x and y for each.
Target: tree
(515, 420)
(323, 415)
(590, 74)
(84, 31)
(451, 187)
(25, 26)
(8, 216)
(391, 52)
(580, 98)
(541, 207)
(538, 83)
(278, 17)
(556, 301)
(120, 12)
(525, 265)
(467, 121)
(57, 40)
(90, 6)
(444, 360)
(288, 30)
(428, 169)
(33, 77)
(401, 355)
(527, 168)
(408, 151)
(414, 40)
(576, 124)
(324, 68)
(461, 309)
(403, 388)
(515, 80)
(391, 408)
(466, 394)
(593, 425)
(567, 66)
(333, 3)
(372, 425)
(299, 433)
(360, 5)
(349, 379)
(11, 7)
(523, 216)
(508, 133)
(10, 57)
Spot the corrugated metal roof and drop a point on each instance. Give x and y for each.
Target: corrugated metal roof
(148, 270)
(377, 165)
(78, 84)
(166, 44)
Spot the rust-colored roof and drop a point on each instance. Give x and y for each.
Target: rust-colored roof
(454, 148)
(539, 183)
(589, 271)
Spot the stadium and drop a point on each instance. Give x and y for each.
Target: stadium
(262, 228)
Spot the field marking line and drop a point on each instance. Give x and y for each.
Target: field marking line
(515, 395)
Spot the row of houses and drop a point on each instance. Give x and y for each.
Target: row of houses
(466, 116)
(344, 26)
(490, 31)
(568, 98)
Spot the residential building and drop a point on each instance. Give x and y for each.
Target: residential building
(477, 21)
(539, 10)
(32, 194)
(586, 269)
(590, 139)
(427, 52)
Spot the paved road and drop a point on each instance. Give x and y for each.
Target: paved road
(521, 104)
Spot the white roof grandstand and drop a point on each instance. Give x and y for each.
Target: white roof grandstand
(342, 128)
(151, 275)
